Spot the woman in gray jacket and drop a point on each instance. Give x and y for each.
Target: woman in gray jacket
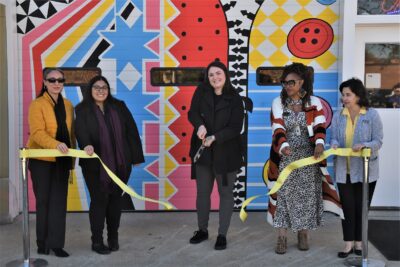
(355, 126)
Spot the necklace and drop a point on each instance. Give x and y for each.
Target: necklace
(292, 104)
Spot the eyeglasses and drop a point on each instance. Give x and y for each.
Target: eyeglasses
(54, 80)
(289, 83)
(100, 88)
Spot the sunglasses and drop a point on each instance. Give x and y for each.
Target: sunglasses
(54, 80)
(289, 83)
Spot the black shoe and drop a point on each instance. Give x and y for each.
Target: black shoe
(101, 248)
(221, 242)
(198, 237)
(43, 251)
(343, 254)
(113, 244)
(358, 252)
(59, 252)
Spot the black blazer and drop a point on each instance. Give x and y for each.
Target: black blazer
(87, 133)
(225, 122)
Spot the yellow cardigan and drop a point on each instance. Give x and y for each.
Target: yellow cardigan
(43, 124)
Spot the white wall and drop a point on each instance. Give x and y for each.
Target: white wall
(15, 204)
(355, 32)
(387, 192)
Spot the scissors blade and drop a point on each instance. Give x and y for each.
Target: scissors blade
(198, 153)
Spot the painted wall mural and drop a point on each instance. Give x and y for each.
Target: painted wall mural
(126, 38)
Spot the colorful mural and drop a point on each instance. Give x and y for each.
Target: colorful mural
(126, 38)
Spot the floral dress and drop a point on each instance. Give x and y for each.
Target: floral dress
(299, 201)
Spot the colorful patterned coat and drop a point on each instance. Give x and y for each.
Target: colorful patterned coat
(317, 131)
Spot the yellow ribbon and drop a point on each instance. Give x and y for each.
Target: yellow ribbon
(284, 174)
(42, 153)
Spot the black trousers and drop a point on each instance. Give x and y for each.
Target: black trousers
(205, 177)
(51, 203)
(351, 198)
(105, 207)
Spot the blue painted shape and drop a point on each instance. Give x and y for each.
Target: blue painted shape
(326, 2)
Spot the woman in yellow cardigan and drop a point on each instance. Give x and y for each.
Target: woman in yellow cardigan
(50, 125)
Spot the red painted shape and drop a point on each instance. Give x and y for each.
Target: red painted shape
(310, 38)
(152, 135)
(203, 33)
(182, 127)
(154, 107)
(151, 191)
(203, 37)
(153, 168)
(183, 130)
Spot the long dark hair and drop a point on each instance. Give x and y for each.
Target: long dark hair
(306, 74)
(358, 88)
(46, 72)
(228, 88)
(87, 94)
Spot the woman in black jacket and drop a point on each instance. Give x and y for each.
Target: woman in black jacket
(104, 125)
(216, 113)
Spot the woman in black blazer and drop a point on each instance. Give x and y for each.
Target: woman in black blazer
(105, 125)
(216, 113)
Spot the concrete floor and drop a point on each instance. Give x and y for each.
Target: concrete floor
(162, 239)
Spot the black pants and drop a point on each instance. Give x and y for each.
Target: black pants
(104, 207)
(51, 203)
(351, 198)
(205, 177)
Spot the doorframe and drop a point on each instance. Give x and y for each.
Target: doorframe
(14, 107)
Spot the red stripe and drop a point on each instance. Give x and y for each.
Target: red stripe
(50, 39)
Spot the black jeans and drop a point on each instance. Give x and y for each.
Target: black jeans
(205, 183)
(351, 199)
(104, 207)
(51, 203)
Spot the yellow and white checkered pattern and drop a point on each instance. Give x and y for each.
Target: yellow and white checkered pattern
(273, 23)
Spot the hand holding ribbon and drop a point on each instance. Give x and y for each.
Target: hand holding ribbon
(39, 153)
(284, 174)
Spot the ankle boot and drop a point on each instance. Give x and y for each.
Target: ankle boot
(302, 239)
(281, 245)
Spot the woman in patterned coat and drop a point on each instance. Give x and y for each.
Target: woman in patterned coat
(298, 125)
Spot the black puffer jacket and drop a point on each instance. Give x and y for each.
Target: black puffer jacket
(225, 122)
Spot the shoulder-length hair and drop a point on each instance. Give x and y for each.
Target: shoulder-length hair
(87, 94)
(306, 74)
(46, 72)
(228, 87)
(358, 88)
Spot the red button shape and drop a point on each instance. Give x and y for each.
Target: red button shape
(310, 38)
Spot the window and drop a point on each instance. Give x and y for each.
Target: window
(378, 7)
(382, 74)
(176, 76)
(79, 76)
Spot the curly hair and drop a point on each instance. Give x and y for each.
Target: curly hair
(306, 74)
(358, 88)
